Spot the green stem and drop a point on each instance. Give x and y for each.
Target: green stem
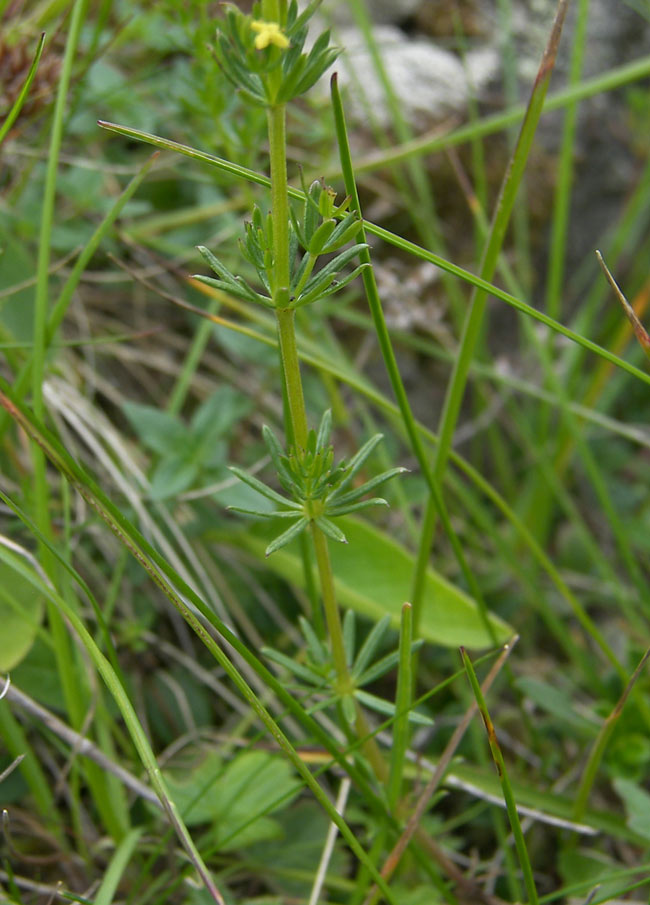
(330, 606)
(279, 203)
(291, 369)
(345, 686)
(281, 274)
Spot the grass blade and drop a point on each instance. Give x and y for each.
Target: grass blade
(424, 799)
(177, 592)
(511, 806)
(392, 239)
(403, 697)
(474, 319)
(591, 768)
(12, 116)
(116, 868)
(639, 330)
(390, 361)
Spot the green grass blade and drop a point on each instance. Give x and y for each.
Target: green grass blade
(474, 319)
(128, 714)
(390, 361)
(588, 775)
(116, 868)
(562, 199)
(403, 698)
(74, 691)
(175, 589)
(17, 106)
(511, 805)
(47, 213)
(441, 768)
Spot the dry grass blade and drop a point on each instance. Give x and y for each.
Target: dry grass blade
(639, 330)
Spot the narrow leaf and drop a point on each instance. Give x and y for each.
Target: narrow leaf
(262, 488)
(287, 536)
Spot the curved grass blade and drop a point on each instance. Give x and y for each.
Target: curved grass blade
(129, 715)
(390, 361)
(475, 314)
(639, 330)
(511, 805)
(600, 743)
(403, 700)
(177, 592)
(116, 868)
(12, 116)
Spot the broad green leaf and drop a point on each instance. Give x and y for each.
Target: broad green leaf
(558, 703)
(236, 797)
(289, 863)
(372, 576)
(218, 413)
(637, 805)
(158, 430)
(21, 608)
(173, 475)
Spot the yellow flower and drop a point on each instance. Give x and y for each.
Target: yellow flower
(269, 33)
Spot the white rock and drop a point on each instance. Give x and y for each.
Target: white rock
(428, 81)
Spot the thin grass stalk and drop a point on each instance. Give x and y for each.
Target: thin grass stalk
(511, 805)
(559, 228)
(474, 319)
(419, 196)
(107, 793)
(631, 226)
(403, 702)
(541, 500)
(520, 219)
(116, 867)
(565, 169)
(64, 655)
(388, 355)
(47, 211)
